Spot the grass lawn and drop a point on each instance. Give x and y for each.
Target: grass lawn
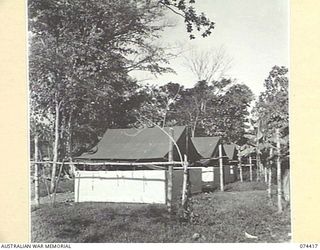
(218, 217)
(64, 186)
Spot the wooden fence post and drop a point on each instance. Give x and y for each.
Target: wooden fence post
(185, 175)
(55, 147)
(36, 173)
(221, 168)
(240, 166)
(250, 167)
(56, 184)
(258, 170)
(170, 172)
(185, 184)
(279, 172)
(265, 174)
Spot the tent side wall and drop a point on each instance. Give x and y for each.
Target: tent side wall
(132, 186)
(195, 182)
(144, 186)
(229, 174)
(211, 176)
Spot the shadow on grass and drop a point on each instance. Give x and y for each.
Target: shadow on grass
(68, 231)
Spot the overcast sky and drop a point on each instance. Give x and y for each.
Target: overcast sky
(253, 32)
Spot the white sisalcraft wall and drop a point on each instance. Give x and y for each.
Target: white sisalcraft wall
(138, 186)
(143, 186)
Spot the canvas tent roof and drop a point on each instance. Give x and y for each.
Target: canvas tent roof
(208, 149)
(143, 144)
(206, 146)
(230, 150)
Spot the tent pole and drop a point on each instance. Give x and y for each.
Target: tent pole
(240, 166)
(250, 165)
(221, 167)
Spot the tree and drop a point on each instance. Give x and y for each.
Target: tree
(272, 108)
(272, 111)
(80, 55)
(232, 113)
(193, 20)
(273, 102)
(216, 109)
(208, 65)
(194, 106)
(84, 49)
(158, 105)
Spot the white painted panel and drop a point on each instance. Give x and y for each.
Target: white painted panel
(231, 170)
(140, 186)
(207, 174)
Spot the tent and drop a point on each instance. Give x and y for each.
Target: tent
(140, 184)
(147, 144)
(232, 154)
(247, 159)
(208, 148)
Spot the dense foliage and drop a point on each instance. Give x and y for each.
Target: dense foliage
(81, 53)
(216, 109)
(272, 109)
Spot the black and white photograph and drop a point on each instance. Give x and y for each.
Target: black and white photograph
(159, 121)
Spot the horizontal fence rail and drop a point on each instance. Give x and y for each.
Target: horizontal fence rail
(111, 163)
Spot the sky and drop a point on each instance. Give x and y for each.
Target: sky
(254, 33)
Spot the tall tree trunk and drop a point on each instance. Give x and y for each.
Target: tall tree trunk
(36, 172)
(270, 172)
(258, 163)
(195, 125)
(269, 181)
(170, 173)
(286, 185)
(192, 132)
(279, 172)
(221, 168)
(49, 152)
(62, 134)
(55, 147)
(164, 120)
(194, 128)
(69, 145)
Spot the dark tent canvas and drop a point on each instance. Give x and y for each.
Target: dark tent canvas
(231, 151)
(207, 147)
(147, 144)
